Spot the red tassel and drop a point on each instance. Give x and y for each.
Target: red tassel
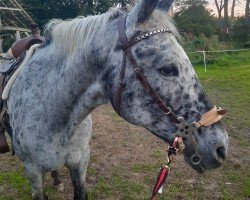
(160, 180)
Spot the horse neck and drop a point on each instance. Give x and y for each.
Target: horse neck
(88, 75)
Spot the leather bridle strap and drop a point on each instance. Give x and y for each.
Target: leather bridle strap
(126, 46)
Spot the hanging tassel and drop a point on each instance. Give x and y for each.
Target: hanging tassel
(161, 179)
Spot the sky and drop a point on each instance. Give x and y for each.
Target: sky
(239, 8)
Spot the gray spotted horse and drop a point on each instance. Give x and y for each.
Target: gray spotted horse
(84, 63)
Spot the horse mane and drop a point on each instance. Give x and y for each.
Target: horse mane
(67, 35)
(74, 34)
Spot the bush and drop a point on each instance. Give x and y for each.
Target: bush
(193, 43)
(246, 44)
(240, 30)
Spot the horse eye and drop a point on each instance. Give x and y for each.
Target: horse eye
(169, 71)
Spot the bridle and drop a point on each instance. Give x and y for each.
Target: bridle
(184, 130)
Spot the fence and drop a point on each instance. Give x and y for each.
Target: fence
(204, 53)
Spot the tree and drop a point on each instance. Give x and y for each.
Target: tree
(185, 4)
(232, 9)
(219, 6)
(45, 10)
(193, 18)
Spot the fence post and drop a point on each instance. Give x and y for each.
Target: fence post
(204, 57)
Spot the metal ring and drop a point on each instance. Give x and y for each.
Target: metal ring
(195, 159)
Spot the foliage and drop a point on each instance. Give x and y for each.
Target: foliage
(194, 19)
(185, 4)
(246, 44)
(45, 10)
(240, 30)
(194, 43)
(8, 40)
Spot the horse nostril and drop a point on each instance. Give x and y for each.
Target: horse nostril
(221, 153)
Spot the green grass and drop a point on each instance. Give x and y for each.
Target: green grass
(15, 185)
(118, 185)
(229, 86)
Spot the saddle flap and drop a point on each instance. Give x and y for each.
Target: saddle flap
(7, 65)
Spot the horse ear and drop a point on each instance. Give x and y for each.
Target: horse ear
(165, 5)
(142, 10)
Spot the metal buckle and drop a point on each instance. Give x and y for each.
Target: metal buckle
(172, 150)
(168, 111)
(137, 69)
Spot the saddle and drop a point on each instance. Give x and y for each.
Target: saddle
(24, 44)
(7, 69)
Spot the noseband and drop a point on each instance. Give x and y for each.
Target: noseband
(184, 130)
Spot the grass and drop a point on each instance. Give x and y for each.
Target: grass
(229, 86)
(18, 186)
(17, 183)
(117, 185)
(116, 118)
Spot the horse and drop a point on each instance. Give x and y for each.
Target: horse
(83, 64)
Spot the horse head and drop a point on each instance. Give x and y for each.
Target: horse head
(167, 69)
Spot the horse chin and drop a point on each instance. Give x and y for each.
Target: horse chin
(198, 168)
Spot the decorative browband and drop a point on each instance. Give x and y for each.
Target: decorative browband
(146, 35)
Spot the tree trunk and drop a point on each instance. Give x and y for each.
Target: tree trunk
(225, 21)
(226, 9)
(233, 6)
(247, 10)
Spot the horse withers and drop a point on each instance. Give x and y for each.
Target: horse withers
(79, 68)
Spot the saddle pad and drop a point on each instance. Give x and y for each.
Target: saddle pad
(12, 79)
